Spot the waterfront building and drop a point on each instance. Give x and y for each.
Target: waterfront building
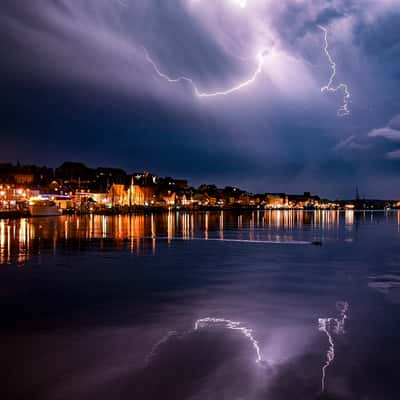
(276, 200)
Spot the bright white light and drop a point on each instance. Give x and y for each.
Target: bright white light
(260, 63)
(344, 109)
(234, 325)
(240, 3)
(331, 326)
(269, 60)
(207, 322)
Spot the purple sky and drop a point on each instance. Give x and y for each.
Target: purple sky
(77, 86)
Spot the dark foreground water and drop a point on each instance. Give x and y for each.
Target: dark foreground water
(145, 307)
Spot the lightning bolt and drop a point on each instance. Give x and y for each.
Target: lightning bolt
(324, 324)
(344, 108)
(331, 326)
(260, 58)
(165, 339)
(342, 111)
(204, 323)
(234, 325)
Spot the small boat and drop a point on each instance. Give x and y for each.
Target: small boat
(44, 208)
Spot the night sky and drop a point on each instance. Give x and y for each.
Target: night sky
(76, 85)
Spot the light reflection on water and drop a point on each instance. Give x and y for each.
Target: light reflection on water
(20, 239)
(100, 295)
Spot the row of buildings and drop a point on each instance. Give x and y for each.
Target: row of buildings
(75, 187)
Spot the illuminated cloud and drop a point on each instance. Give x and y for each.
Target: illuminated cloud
(393, 155)
(81, 72)
(387, 133)
(391, 133)
(350, 143)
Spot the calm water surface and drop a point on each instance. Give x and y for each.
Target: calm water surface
(201, 306)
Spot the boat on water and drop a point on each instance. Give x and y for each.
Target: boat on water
(44, 208)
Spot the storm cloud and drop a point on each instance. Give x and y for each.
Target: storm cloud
(77, 85)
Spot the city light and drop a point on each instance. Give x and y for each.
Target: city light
(135, 192)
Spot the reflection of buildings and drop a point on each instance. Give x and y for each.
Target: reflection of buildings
(20, 239)
(349, 217)
(5, 242)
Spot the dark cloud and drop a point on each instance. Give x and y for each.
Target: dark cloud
(76, 85)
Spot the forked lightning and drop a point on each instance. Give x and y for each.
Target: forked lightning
(332, 326)
(344, 109)
(260, 58)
